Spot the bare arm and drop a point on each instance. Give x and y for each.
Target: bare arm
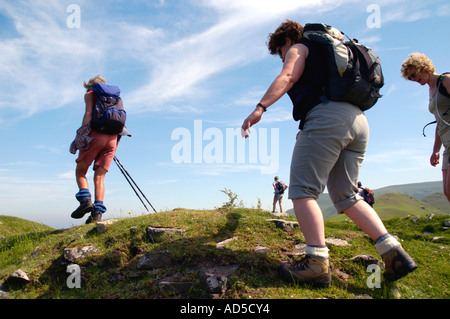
(434, 159)
(89, 99)
(293, 67)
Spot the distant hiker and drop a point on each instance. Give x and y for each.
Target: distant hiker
(367, 194)
(328, 153)
(279, 188)
(419, 68)
(96, 147)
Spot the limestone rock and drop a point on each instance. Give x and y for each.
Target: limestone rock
(284, 224)
(365, 260)
(153, 260)
(154, 233)
(77, 253)
(17, 279)
(336, 242)
(215, 279)
(222, 244)
(101, 226)
(261, 250)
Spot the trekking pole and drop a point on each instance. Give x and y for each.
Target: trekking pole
(128, 178)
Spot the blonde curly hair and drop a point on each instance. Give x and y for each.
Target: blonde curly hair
(98, 79)
(419, 62)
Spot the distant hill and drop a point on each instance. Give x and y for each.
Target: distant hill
(428, 194)
(392, 205)
(14, 226)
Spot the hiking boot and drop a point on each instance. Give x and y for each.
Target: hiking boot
(397, 264)
(95, 217)
(310, 270)
(85, 207)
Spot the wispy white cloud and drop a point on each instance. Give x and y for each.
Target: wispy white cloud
(47, 57)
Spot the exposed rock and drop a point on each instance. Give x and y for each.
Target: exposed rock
(261, 250)
(17, 279)
(154, 233)
(396, 293)
(447, 223)
(77, 253)
(430, 217)
(37, 252)
(284, 224)
(365, 260)
(101, 226)
(342, 276)
(155, 260)
(336, 242)
(222, 244)
(215, 279)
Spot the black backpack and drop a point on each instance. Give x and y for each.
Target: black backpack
(355, 73)
(280, 187)
(109, 115)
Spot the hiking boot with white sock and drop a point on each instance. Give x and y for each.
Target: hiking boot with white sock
(396, 260)
(310, 270)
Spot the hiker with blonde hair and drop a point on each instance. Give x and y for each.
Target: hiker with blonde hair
(419, 68)
(94, 147)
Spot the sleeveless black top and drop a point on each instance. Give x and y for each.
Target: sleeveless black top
(307, 92)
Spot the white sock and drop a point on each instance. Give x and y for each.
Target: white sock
(386, 245)
(317, 251)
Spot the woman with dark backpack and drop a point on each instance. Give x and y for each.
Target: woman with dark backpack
(328, 153)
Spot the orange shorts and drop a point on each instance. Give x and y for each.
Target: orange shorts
(102, 150)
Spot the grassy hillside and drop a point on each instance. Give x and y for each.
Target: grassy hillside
(428, 192)
(112, 272)
(399, 205)
(417, 190)
(14, 226)
(438, 200)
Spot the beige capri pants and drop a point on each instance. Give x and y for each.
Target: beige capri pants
(329, 152)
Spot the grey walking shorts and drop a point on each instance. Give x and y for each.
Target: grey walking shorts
(329, 152)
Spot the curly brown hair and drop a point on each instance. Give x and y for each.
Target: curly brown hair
(418, 61)
(288, 29)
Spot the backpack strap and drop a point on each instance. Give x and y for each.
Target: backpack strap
(439, 88)
(442, 88)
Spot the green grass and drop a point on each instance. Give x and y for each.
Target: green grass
(112, 271)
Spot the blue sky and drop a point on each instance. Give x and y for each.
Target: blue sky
(190, 72)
